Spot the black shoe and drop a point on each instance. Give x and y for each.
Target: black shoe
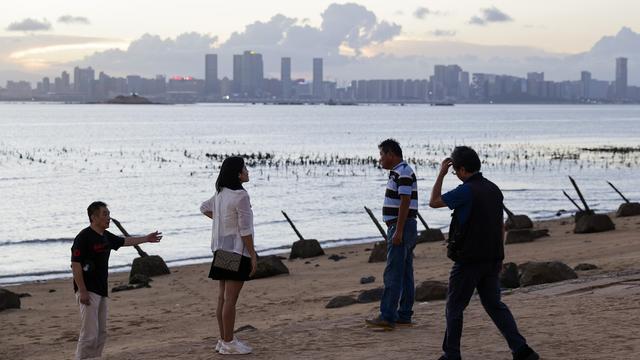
(405, 323)
(380, 323)
(526, 353)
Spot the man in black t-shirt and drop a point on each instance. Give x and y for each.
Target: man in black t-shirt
(90, 264)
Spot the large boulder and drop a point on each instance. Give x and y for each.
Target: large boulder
(9, 300)
(518, 222)
(305, 249)
(371, 295)
(150, 266)
(628, 209)
(270, 266)
(524, 235)
(593, 224)
(379, 252)
(430, 235)
(509, 278)
(431, 290)
(340, 301)
(534, 273)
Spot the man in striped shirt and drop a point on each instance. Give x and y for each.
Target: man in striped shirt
(399, 213)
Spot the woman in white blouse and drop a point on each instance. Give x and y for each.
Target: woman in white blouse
(232, 231)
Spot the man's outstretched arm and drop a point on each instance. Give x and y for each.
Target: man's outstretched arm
(153, 237)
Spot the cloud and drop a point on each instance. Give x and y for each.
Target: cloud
(443, 33)
(490, 15)
(68, 19)
(30, 25)
(344, 32)
(421, 12)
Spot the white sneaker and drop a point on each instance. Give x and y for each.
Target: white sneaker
(243, 344)
(218, 345)
(233, 348)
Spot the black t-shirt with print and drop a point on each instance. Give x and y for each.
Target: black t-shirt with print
(92, 250)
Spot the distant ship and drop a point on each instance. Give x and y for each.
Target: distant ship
(442, 103)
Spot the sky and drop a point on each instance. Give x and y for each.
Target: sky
(39, 35)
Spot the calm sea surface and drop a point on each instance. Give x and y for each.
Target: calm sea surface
(154, 165)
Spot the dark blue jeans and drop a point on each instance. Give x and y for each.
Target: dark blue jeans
(464, 278)
(399, 288)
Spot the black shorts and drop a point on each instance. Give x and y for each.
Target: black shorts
(241, 275)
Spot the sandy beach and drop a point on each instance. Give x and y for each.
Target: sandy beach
(593, 317)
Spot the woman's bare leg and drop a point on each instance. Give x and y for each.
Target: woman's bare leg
(231, 293)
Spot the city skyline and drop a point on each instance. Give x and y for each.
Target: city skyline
(353, 38)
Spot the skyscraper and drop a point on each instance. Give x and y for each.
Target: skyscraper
(621, 78)
(585, 79)
(82, 80)
(211, 74)
(317, 79)
(285, 77)
(438, 82)
(252, 74)
(237, 74)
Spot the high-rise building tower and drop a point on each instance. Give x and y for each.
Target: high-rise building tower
(237, 74)
(585, 80)
(252, 74)
(83, 80)
(317, 90)
(211, 74)
(621, 78)
(285, 77)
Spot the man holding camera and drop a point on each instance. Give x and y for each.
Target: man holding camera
(476, 246)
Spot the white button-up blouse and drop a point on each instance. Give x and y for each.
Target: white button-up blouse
(232, 218)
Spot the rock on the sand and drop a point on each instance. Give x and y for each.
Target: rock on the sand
(430, 235)
(140, 279)
(534, 273)
(270, 266)
(628, 209)
(509, 278)
(379, 252)
(371, 295)
(431, 290)
(305, 249)
(585, 267)
(518, 222)
(9, 300)
(150, 266)
(593, 224)
(524, 235)
(340, 301)
(128, 287)
(367, 279)
(336, 257)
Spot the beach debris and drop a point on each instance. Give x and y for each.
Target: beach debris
(140, 279)
(509, 277)
(247, 327)
(303, 248)
(431, 290)
(340, 301)
(127, 287)
(269, 266)
(535, 273)
(525, 235)
(428, 235)
(517, 221)
(335, 257)
(52, 290)
(371, 295)
(367, 279)
(585, 267)
(587, 221)
(9, 300)
(627, 208)
(148, 265)
(379, 251)
(23, 295)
